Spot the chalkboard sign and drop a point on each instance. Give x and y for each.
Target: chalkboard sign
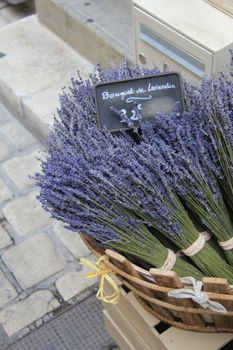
(122, 104)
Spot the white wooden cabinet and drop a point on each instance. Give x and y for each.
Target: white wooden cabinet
(189, 35)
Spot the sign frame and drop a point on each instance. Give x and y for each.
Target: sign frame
(135, 79)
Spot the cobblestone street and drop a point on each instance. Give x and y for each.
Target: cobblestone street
(40, 274)
(39, 268)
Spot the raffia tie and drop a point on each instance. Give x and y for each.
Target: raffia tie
(227, 245)
(104, 272)
(170, 261)
(198, 245)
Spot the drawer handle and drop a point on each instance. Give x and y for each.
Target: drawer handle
(142, 58)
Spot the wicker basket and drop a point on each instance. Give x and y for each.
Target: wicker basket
(151, 288)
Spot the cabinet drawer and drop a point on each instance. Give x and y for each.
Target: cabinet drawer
(156, 42)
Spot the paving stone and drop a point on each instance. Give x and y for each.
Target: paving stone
(5, 192)
(8, 292)
(3, 20)
(71, 240)
(23, 313)
(41, 107)
(25, 214)
(97, 37)
(74, 283)
(17, 135)
(34, 260)
(36, 59)
(3, 3)
(5, 239)
(4, 114)
(3, 118)
(42, 114)
(5, 150)
(21, 167)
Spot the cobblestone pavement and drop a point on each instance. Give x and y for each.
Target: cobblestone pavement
(39, 259)
(40, 274)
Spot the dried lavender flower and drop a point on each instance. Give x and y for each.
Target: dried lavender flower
(112, 188)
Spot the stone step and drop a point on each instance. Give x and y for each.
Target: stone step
(100, 30)
(34, 65)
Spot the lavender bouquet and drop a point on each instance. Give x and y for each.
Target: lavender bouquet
(192, 172)
(138, 181)
(74, 187)
(122, 192)
(212, 132)
(79, 200)
(212, 113)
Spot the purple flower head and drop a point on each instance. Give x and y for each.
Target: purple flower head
(231, 62)
(190, 146)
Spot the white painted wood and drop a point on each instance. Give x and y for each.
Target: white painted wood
(116, 333)
(159, 37)
(153, 55)
(130, 325)
(223, 5)
(177, 339)
(142, 321)
(221, 61)
(127, 328)
(194, 19)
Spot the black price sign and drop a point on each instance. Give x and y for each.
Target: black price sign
(122, 104)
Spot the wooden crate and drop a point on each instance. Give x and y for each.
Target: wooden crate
(132, 327)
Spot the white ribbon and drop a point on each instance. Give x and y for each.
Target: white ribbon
(227, 245)
(170, 261)
(197, 295)
(197, 245)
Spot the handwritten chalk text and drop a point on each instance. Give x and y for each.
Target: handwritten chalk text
(122, 95)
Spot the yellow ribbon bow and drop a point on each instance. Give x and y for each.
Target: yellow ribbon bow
(104, 272)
